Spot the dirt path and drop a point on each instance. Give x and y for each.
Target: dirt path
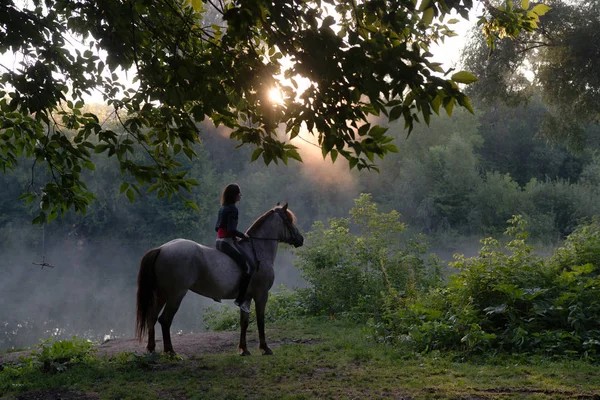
(190, 344)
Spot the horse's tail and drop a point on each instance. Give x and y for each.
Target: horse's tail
(147, 292)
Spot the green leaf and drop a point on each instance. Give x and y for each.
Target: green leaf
(436, 103)
(256, 153)
(540, 9)
(40, 219)
(152, 188)
(391, 148)
(377, 131)
(197, 5)
(437, 67)
(395, 113)
(524, 4)
(123, 187)
(130, 195)
(101, 148)
(192, 204)
(53, 214)
(449, 106)
(363, 130)
(464, 77)
(427, 18)
(467, 105)
(292, 153)
(334, 154)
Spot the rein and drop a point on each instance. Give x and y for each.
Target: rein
(254, 250)
(257, 238)
(252, 238)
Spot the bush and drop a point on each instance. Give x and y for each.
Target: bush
(56, 355)
(354, 273)
(283, 304)
(507, 299)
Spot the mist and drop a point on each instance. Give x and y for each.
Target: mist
(452, 182)
(89, 289)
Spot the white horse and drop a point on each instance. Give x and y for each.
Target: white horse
(169, 271)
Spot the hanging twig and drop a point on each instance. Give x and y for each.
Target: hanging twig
(43, 263)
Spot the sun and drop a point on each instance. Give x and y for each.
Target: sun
(275, 96)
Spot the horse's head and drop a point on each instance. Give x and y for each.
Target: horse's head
(288, 231)
(279, 224)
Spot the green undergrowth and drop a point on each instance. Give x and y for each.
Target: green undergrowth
(314, 358)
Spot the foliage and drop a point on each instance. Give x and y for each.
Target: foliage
(284, 304)
(507, 299)
(57, 355)
(223, 318)
(558, 61)
(468, 175)
(329, 357)
(192, 61)
(352, 273)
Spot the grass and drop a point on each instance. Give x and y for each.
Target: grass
(317, 358)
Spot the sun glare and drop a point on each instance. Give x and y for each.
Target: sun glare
(275, 96)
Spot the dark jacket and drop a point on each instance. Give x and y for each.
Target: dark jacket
(228, 220)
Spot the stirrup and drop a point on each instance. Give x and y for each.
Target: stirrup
(244, 306)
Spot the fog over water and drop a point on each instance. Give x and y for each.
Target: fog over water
(90, 292)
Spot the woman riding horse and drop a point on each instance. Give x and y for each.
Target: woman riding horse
(169, 271)
(227, 240)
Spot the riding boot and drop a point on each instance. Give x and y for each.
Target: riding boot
(240, 301)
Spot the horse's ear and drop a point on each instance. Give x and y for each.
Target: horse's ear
(277, 204)
(285, 206)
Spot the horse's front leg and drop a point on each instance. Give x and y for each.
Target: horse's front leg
(243, 347)
(260, 305)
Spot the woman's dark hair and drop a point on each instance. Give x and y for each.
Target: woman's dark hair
(230, 193)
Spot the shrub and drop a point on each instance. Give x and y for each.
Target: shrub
(355, 263)
(57, 355)
(284, 304)
(507, 299)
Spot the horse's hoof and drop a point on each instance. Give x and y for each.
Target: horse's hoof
(244, 353)
(267, 352)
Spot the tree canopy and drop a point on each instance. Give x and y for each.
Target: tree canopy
(559, 62)
(194, 60)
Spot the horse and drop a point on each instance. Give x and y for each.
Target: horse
(167, 272)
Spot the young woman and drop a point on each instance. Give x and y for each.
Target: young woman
(228, 236)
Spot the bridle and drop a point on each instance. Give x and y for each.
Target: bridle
(252, 238)
(287, 226)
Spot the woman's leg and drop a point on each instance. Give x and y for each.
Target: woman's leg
(246, 266)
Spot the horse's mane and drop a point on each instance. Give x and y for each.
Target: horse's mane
(259, 221)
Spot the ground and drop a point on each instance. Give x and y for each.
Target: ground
(190, 344)
(314, 359)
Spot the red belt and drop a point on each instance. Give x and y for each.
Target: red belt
(222, 233)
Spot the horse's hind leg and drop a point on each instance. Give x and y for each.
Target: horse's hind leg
(260, 304)
(243, 347)
(153, 317)
(166, 319)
